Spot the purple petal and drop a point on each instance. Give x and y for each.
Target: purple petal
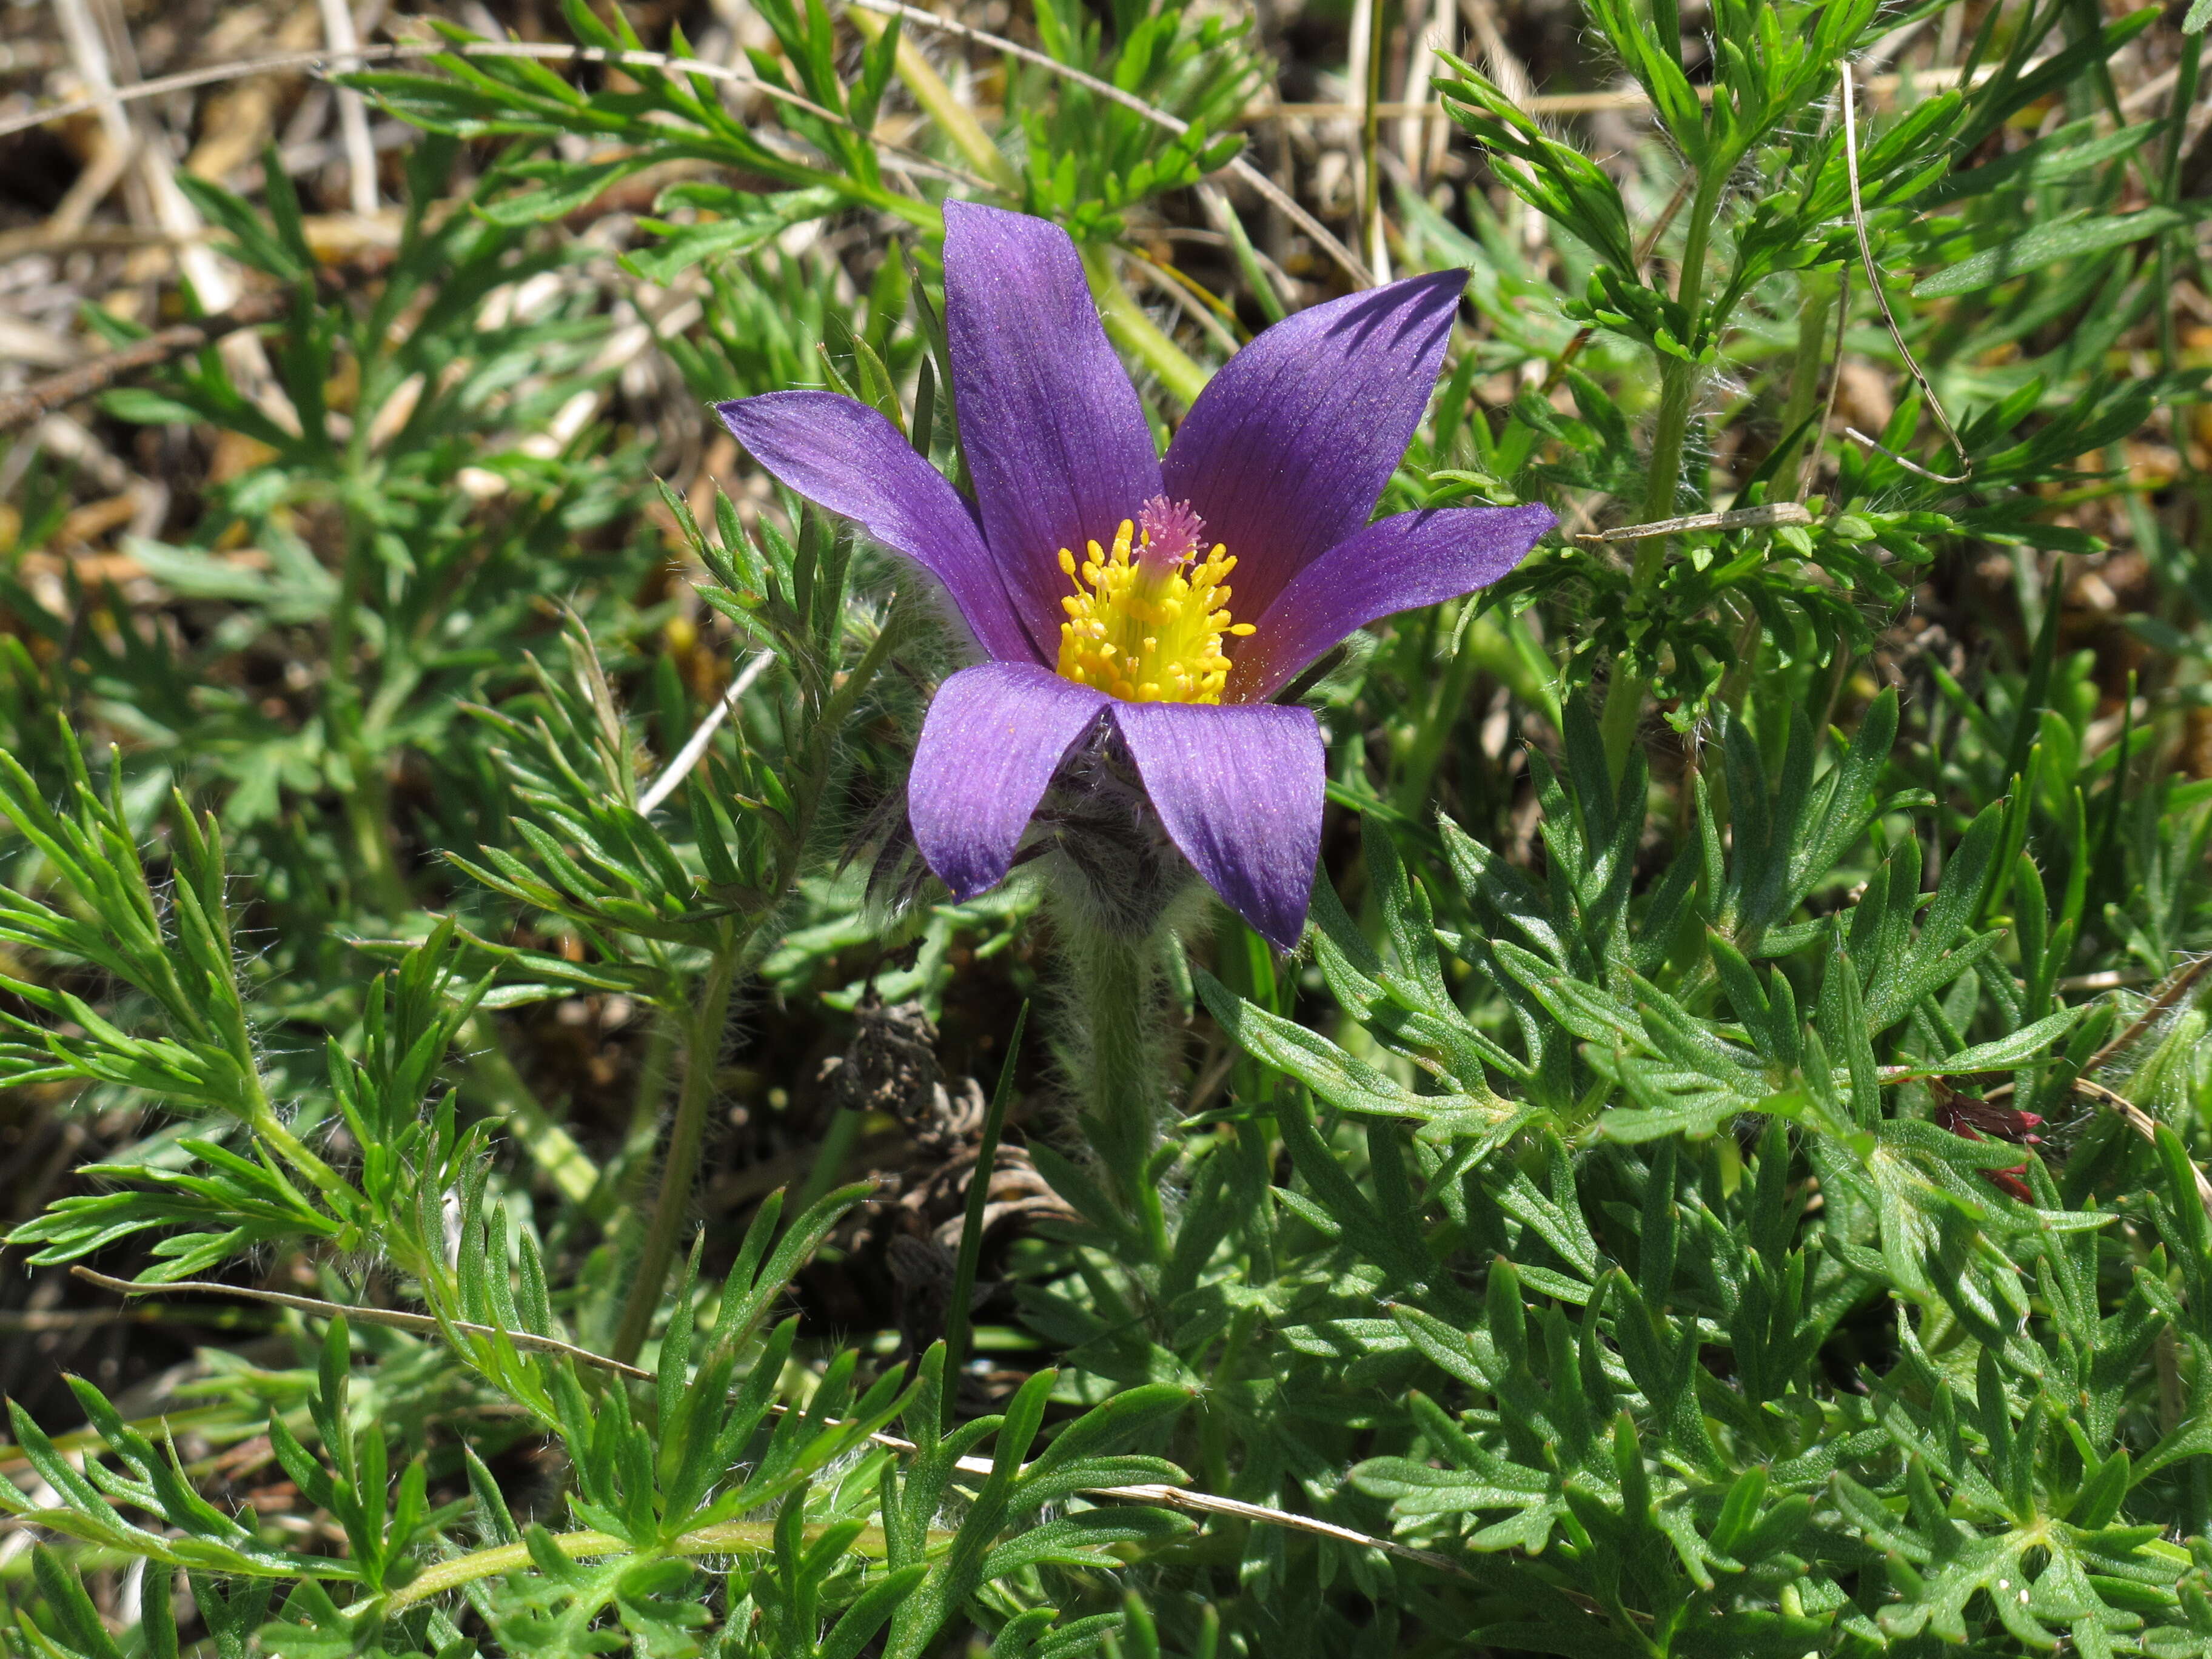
(849, 458)
(990, 743)
(1055, 438)
(1239, 790)
(1287, 451)
(1409, 560)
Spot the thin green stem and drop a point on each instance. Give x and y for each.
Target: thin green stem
(723, 1538)
(500, 1088)
(702, 1043)
(369, 828)
(958, 121)
(1425, 750)
(1256, 279)
(254, 1105)
(830, 1155)
(971, 1226)
(1807, 366)
(1735, 683)
(1678, 385)
(1678, 382)
(336, 1190)
(2169, 185)
(367, 809)
(726, 1538)
(1139, 335)
(625, 1175)
(368, 796)
(1214, 1424)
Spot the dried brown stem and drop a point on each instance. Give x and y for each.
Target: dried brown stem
(42, 398)
(546, 52)
(20, 409)
(2176, 987)
(1240, 168)
(1882, 304)
(422, 1324)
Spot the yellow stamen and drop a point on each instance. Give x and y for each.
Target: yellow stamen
(1145, 627)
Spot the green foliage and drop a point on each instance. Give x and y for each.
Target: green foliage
(1727, 1185)
(1628, 1405)
(1088, 160)
(1682, 622)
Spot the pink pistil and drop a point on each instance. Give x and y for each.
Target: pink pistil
(1167, 532)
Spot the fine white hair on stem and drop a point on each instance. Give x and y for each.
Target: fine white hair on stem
(695, 746)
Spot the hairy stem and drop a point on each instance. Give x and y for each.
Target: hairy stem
(1808, 365)
(336, 1190)
(1118, 1064)
(627, 1172)
(702, 1043)
(1678, 385)
(254, 1105)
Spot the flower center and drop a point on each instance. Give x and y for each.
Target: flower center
(1145, 622)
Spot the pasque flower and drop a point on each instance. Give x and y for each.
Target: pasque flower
(1157, 601)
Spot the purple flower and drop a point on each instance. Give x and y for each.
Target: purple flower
(1095, 574)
